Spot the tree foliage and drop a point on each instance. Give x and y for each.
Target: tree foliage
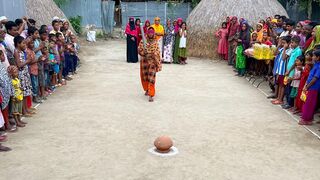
(60, 2)
(304, 5)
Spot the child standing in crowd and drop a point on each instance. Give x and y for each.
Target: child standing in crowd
(183, 44)
(53, 61)
(304, 76)
(311, 89)
(60, 56)
(22, 62)
(280, 69)
(33, 70)
(17, 98)
(292, 55)
(222, 34)
(296, 80)
(76, 47)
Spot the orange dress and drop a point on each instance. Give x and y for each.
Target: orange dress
(150, 64)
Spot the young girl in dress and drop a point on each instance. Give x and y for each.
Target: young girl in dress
(304, 76)
(22, 62)
(17, 98)
(183, 44)
(222, 34)
(296, 80)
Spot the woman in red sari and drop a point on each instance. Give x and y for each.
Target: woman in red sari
(138, 28)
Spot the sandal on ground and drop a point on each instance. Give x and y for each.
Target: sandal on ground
(151, 99)
(13, 129)
(305, 123)
(3, 138)
(33, 109)
(4, 148)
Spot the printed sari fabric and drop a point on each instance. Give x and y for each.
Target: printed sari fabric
(150, 64)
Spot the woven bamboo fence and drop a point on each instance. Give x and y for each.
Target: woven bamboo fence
(208, 16)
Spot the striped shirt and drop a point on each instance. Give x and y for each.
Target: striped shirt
(280, 64)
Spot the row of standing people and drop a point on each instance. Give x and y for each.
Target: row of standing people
(172, 39)
(295, 70)
(34, 62)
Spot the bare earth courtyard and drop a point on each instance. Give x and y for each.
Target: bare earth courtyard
(223, 127)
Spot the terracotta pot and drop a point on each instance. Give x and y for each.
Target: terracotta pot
(163, 144)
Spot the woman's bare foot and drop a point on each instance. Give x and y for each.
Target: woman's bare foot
(151, 99)
(27, 115)
(22, 122)
(296, 112)
(20, 125)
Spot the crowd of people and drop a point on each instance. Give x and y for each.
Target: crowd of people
(293, 68)
(171, 38)
(34, 62)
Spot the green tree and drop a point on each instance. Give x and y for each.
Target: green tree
(60, 2)
(304, 5)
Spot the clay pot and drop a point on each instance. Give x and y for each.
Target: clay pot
(163, 144)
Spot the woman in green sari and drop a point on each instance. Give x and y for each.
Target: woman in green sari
(177, 41)
(243, 44)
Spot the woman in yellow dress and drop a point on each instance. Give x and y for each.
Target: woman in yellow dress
(159, 32)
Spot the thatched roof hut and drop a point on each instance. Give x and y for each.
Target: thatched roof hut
(43, 11)
(208, 15)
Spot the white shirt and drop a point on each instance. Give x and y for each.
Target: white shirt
(287, 33)
(10, 45)
(6, 62)
(24, 33)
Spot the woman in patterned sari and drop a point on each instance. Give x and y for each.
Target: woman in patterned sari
(168, 43)
(150, 63)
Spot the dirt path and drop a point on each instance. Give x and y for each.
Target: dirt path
(100, 127)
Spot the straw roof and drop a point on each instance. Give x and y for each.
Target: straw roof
(208, 15)
(43, 11)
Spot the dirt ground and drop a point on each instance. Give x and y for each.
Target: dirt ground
(100, 126)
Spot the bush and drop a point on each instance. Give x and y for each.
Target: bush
(76, 23)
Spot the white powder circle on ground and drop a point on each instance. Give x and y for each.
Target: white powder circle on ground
(173, 151)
